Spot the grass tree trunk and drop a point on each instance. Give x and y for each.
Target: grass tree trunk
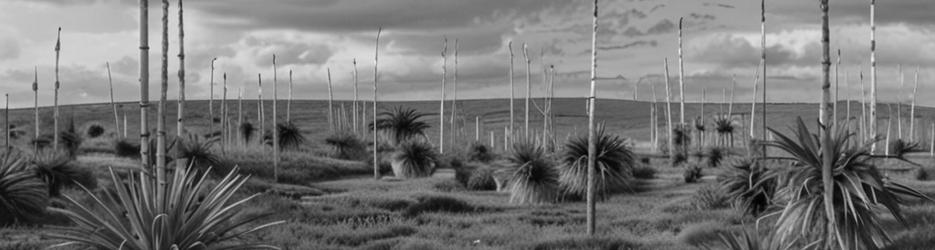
(763, 64)
(260, 116)
(756, 81)
(356, 100)
(671, 140)
(454, 100)
(35, 92)
(873, 75)
(441, 102)
(512, 95)
(826, 120)
(330, 102)
(276, 121)
(211, 100)
(180, 125)
(376, 60)
(58, 50)
(592, 148)
(912, 107)
(161, 110)
(681, 78)
(113, 104)
(528, 89)
(144, 87)
(289, 103)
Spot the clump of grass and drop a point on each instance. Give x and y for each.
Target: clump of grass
(644, 172)
(482, 178)
(414, 159)
(23, 196)
(714, 156)
(532, 175)
(295, 168)
(126, 148)
(290, 136)
(95, 130)
(679, 158)
(692, 173)
(613, 165)
(702, 235)
(709, 197)
(59, 171)
(71, 139)
(197, 151)
(581, 243)
(479, 152)
(428, 204)
(920, 174)
(347, 145)
(748, 183)
(247, 131)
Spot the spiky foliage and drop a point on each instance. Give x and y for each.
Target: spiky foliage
(692, 173)
(23, 196)
(192, 215)
(127, 148)
(532, 177)
(197, 150)
(58, 171)
(714, 156)
(401, 124)
(414, 159)
(681, 136)
(482, 178)
(746, 182)
(709, 197)
(860, 191)
(290, 137)
(71, 139)
(900, 148)
(613, 165)
(699, 124)
(478, 152)
(347, 145)
(723, 125)
(95, 130)
(247, 130)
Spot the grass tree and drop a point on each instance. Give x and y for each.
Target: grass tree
(35, 92)
(23, 195)
(161, 110)
(592, 141)
(614, 164)
(414, 159)
(749, 183)
(376, 57)
(180, 127)
(110, 84)
(144, 87)
(276, 121)
(211, 99)
(441, 109)
(401, 124)
(55, 116)
(825, 118)
(532, 177)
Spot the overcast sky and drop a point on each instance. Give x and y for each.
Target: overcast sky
(721, 40)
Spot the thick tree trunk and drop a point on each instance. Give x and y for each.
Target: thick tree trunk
(826, 121)
(161, 110)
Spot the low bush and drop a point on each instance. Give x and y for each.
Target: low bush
(127, 148)
(692, 173)
(427, 204)
(709, 197)
(414, 159)
(644, 172)
(347, 145)
(95, 130)
(59, 171)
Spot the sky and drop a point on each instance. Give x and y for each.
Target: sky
(721, 45)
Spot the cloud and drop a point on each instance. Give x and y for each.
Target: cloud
(650, 43)
(9, 49)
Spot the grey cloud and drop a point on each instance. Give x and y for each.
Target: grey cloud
(9, 49)
(649, 43)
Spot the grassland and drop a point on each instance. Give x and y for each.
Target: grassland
(334, 204)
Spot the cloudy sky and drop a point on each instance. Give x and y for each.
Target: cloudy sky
(721, 41)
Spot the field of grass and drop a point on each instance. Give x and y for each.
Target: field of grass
(334, 204)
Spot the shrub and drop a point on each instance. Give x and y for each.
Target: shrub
(715, 155)
(692, 173)
(23, 196)
(532, 176)
(154, 222)
(581, 243)
(900, 148)
(414, 159)
(126, 148)
(644, 172)
(290, 137)
(702, 235)
(247, 131)
(58, 171)
(920, 174)
(480, 153)
(428, 204)
(401, 124)
(613, 165)
(747, 182)
(709, 197)
(70, 139)
(679, 158)
(482, 178)
(198, 152)
(95, 130)
(347, 145)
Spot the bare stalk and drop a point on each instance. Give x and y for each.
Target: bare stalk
(161, 109)
(330, 102)
(512, 94)
(528, 88)
(276, 121)
(35, 91)
(289, 103)
(144, 87)
(454, 100)
(356, 111)
(826, 121)
(669, 109)
(912, 108)
(441, 110)
(376, 57)
(110, 81)
(592, 148)
(259, 107)
(756, 80)
(873, 74)
(58, 49)
(180, 126)
(681, 77)
(211, 99)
